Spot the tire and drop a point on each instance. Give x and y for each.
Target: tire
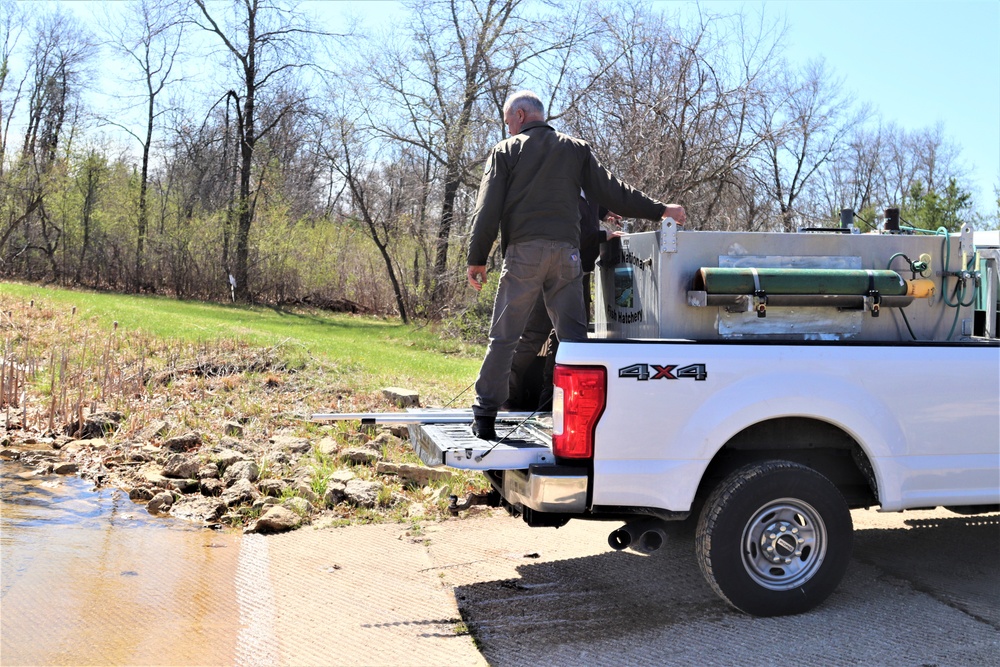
(774, 538)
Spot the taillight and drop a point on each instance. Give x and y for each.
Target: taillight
(577, 404)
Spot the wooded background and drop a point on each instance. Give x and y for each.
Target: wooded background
(254, 155)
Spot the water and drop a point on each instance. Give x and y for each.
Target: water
(90, 578)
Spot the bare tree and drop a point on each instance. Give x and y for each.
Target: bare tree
(149, 38)
(56, 75)
(672, 104)
(266, 42)
(804, 126)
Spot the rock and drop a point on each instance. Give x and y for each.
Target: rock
(198, 508)
(233, 429)
(413, 475)
(304, 489)
(272, 487)
(212, 487)
(73, 446)
(240, 493)
(384, 440)
(358, 438)
(277, 458)
(241, 470)
(10, 454)
(291, 443)
(95, 425)
(334, 493)
(226, 457)
(275, 520)
(361, 493)
(361, 455)
(66, 468)
(154, 429)
(327, 446)
(153, 474)
(140, 494)
(402, 398)
(300, 506)
(179, 466)
(183, 443)
(187, 485)
(342, 476)
(208, 471)
(160, 503)
(261, 503)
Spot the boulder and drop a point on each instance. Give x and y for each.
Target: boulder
(384, 440)
(342, 476)
(233, 429)
(226, 457)
(198, 508)
(140, 494)
(66, 469)
(277, 519)
(179, 466)
(361, 493)
(304, 489)
(160, 503)
(95, 425)
(208, 471)
(327, 446)
(153, 474)
(293, 444)
(402, 398)
(241, 470)
(186, 485)
(240, 493)
(183, 443)
(272, 487)
(154, 429)
(334, 493)
(300, 506)
(361, 455)
(211, 486)
(413, 475)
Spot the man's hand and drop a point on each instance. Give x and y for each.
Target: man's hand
(477, 276)
(675, 211)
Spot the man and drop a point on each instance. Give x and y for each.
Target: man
(530, 381)
(530, 195)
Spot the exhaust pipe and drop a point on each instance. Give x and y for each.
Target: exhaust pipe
(644, 536)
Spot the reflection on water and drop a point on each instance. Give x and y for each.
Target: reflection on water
(88, 577)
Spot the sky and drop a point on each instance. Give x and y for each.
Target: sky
(918, 62)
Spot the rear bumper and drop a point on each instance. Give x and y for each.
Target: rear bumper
(547, 488)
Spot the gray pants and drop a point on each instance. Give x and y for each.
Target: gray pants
(549, 268)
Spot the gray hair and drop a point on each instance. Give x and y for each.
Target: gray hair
(526, 101)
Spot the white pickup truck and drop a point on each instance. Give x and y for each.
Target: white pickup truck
(761, 386)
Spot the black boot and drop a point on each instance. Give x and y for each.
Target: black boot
(484, 428)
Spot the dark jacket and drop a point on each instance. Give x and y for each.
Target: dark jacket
(531, 190)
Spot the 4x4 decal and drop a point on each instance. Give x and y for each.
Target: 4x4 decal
(643, 372)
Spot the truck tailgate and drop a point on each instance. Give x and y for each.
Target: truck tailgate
(522, 443)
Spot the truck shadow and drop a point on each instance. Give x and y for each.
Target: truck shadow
(617, 607)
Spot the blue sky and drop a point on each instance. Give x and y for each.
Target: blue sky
(919, 62)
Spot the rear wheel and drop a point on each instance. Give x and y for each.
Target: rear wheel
(774, 538)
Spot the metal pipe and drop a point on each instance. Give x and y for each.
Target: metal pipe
(643, 536)
(725, 280)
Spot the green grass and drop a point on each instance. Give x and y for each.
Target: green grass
(373, 352)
